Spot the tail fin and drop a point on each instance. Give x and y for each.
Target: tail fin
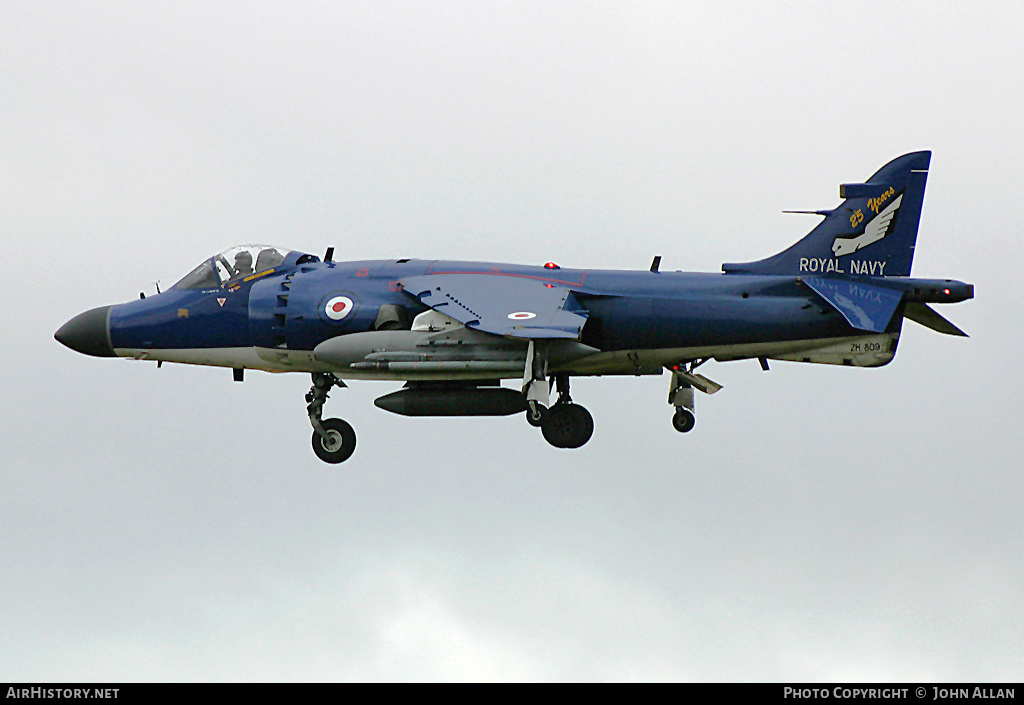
(872, 232)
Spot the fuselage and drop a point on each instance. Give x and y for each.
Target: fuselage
(638, 321)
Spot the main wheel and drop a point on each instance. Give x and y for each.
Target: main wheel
(568, 426)
(683, 420)
(583, 425)
(339, 444)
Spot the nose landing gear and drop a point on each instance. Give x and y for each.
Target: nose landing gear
(334, 440)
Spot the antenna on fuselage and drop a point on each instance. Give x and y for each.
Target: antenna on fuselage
(656, 263)
(329, 255)
(822, 213)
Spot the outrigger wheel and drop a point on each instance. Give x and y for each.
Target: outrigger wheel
(536, 414)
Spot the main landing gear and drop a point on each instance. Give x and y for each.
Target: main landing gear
(680, 393)
(334, 440)
(564, 424)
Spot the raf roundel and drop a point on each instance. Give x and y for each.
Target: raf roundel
(522, 315)
(338, 307)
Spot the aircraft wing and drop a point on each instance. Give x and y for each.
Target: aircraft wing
(513, 306)
(863, 306)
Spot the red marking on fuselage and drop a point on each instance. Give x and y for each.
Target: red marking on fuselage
(496, 273)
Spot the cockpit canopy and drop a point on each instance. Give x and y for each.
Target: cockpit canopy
(234, 263)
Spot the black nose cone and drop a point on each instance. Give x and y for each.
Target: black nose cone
(88, 333)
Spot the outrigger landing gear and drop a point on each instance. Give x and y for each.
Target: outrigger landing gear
(535, 387)
(334, 440)
(536, 413)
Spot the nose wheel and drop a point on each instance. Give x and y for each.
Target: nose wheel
(337, 443)
(334, 440)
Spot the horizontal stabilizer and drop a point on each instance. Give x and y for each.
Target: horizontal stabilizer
(863, 306)
(928, 317)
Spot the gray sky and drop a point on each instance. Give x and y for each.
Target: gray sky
(819, 523)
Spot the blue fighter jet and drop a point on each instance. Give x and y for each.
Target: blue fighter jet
(452, 331)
